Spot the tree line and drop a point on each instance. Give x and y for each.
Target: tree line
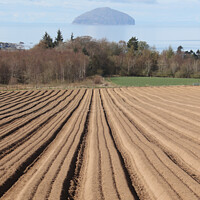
(75, 59)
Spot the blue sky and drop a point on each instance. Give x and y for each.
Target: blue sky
(64, 11)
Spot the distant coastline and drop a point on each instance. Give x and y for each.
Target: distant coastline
(160, 36)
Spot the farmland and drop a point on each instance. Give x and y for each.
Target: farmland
(116, 143)
(152, 81)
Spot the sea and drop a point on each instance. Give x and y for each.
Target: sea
(157, 36)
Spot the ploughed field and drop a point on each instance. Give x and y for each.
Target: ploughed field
(123, 143)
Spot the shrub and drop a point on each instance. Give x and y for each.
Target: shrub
(97, 80)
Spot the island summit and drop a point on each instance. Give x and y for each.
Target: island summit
(104, 16)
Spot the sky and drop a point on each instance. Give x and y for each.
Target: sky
(64, 11)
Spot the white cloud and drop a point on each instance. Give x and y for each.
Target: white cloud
(178, 1)
(67, 10)
(61, 2)
(127, 1)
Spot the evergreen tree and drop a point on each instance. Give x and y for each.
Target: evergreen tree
(179, 49)
(59, 38)
(133, 42)
(72, 37)
(198, 53)
(48, 41)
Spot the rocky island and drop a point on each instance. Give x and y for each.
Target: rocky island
(104, 16)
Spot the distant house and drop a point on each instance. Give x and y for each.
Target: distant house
(11, 46)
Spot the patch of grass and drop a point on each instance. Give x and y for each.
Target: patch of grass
(89, 82)
(152, 81)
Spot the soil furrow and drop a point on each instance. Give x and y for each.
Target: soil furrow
(163, 171)
(113, 143)
(174, 95)
(150, 139)
(166, 100)
(91, 182)
(70, 182)
(165, 121)
(14, 96)
(192, 146)
(123, 164)
(43, 134)
(108, 152)
(194, 114)
(183, 116)
(37, 102)
(41, 183)
(7, 94)
(155, 170)
(10, 147)
(159, 124)
(13, 117)
(20, 96)
(20, 170)
(105, 172)
(25, 122)
(16, 103)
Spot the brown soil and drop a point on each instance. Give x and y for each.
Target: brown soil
(93, 144)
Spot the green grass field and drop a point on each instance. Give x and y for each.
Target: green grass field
(152, 81)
